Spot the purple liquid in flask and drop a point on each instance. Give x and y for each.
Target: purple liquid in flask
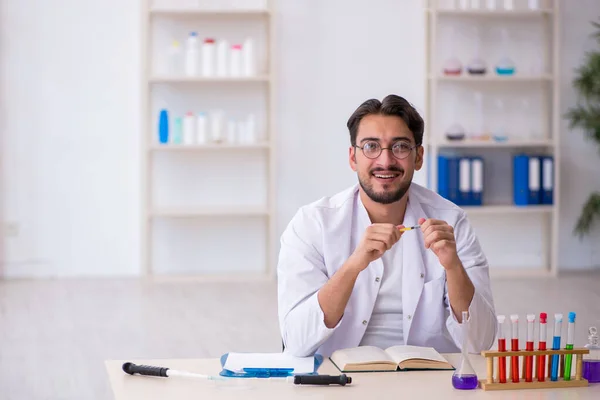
(464, 378)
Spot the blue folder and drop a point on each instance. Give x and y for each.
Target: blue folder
(521, 180)
(477, 174)
(547, 180)
(265, 372)
(464, 181)
(443, 177)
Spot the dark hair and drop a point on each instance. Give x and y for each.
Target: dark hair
(391, 105)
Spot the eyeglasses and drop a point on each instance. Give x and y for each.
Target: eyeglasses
(400, 150)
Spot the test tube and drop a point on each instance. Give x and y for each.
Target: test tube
(556, 346)
(541, 372)
(501, 347)
(514, 346)
(569, 345)
(529, 347)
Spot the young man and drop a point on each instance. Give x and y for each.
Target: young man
(348, 275)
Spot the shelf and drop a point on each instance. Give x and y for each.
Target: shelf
(185, 12)
(491, 13)
(201, 79)
(212, 146)
(508, 209)
(492, 144)
(492, 77)
(209, 211)
(536, 78)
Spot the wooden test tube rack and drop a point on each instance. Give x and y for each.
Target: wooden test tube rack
(492, 382)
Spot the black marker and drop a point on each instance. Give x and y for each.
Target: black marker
(342, 380)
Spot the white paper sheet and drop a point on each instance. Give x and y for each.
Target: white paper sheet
(236, 362)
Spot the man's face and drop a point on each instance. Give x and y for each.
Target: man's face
(385, 178)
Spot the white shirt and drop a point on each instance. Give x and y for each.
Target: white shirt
(320, 238)
(385, 328)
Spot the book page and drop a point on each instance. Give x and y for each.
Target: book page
(402, 353)
(360, 355)
(236, 362)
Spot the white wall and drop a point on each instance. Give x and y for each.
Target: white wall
(70, 133)
(326, 72)
(70, 136)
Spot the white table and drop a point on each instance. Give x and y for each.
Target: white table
(365, 386)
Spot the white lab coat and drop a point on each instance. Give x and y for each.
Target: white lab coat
(321, 237)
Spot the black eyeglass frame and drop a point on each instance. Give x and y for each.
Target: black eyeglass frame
(381, 149)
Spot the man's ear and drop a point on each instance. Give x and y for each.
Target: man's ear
(352, 157)
(419, 158)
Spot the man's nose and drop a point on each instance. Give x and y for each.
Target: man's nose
(387, 158)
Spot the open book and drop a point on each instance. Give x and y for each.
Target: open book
(403, 358)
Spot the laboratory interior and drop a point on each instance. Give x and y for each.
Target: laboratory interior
(281, 199)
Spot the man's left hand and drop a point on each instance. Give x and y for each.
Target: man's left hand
(439, 237)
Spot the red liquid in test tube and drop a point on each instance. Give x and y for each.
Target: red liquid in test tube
(514, 346)
(529, 347)
(541, 372)
(501, 347)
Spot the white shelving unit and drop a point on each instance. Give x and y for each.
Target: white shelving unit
(518, 240)
(207, 209)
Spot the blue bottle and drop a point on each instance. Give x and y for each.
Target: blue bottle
(163, 127)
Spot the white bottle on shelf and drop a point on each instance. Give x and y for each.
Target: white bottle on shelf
(175, 59)
(534, 4)
(188, 128)
(217, 125)
(208, 57)
(202, 128)
(491, 4)
(222, 58)
(249, 58)
(231, 132)
(251, 129)
(192, 55)
(235, 61)
(242, 132)
(509, 5)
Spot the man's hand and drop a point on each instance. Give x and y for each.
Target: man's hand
(377, 239)
(439, 237)
(334, 295)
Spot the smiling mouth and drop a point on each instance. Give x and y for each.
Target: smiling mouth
(386, 177)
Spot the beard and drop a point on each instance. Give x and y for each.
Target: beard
(386, 196)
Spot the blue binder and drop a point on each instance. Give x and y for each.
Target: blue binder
(443, 177)
(547, 180)
(464, 181)
(453, 194)
(535, 175)
(477, 172)
(520, 179)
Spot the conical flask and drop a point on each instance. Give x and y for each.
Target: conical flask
(452, 65)
(464, 377)
(505, 66)
(476, 65)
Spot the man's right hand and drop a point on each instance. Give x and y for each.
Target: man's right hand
(377, 239)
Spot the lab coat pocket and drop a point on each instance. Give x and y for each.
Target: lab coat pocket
(432, 305)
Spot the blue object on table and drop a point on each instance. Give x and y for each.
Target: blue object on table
(266, 372)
